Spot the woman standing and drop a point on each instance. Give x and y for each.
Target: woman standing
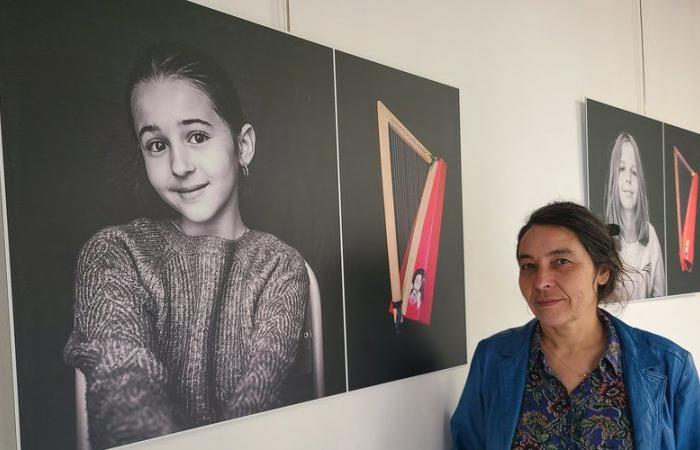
(576, 377)
(185, 322)
(627, 206)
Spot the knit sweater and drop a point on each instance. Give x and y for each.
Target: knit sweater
(175, 331)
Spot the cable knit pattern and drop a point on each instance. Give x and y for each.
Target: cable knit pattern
(175, 331)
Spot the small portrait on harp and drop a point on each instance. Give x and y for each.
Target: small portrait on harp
(415, 298)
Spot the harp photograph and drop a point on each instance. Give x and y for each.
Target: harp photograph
(402, 222)
(682, 162)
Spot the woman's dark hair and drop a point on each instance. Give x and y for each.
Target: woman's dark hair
(598, 240)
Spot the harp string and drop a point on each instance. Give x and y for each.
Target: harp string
(409, 172)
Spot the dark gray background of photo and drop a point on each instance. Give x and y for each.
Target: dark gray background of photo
(604, 123)
(688, 144)
(68, 147)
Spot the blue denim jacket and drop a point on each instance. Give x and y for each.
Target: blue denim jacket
(660, 378)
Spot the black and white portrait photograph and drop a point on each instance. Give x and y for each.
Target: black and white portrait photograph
(682, 163)
(400, 181)
(626, 188)
(173, 219)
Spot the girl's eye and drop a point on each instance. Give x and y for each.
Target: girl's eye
(197, 137)
(156, 146)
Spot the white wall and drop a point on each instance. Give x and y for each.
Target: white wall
(523, 70)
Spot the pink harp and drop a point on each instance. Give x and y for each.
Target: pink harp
(413, 188)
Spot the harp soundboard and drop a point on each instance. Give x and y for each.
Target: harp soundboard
(413, 187)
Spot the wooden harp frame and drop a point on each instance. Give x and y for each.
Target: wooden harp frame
(427, 220)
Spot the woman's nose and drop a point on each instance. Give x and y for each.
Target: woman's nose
(181, 163)
(543, 279)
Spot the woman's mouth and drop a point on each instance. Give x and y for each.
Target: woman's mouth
(548, 302)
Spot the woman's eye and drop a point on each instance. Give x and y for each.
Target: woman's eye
(156, 146)
(197, 137)
(527, 266)
(561, 261)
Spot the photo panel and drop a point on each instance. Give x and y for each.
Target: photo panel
(626, 187)
(682, 162)
(400, 183)
(71, 168)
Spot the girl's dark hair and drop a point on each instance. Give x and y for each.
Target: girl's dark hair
(598, 239)
(180, 62)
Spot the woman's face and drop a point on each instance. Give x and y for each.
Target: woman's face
(627, 178)
(557, 276)
(188, 150)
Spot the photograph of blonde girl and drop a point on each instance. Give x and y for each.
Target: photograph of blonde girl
(625, 184)
(627, 206)
(185, 322)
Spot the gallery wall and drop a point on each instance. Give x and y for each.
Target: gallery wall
(523, 70)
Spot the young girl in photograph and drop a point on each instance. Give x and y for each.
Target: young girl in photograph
(628, 207)
(189, 321)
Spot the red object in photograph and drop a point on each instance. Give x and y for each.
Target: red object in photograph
(686, 224)
(419, 285)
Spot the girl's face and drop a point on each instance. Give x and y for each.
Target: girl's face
(188, 150)
(627, 178)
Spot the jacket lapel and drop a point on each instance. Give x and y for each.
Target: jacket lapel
(645, 385)
(512, 370)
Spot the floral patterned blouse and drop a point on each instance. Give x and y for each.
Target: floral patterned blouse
(595, 415)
